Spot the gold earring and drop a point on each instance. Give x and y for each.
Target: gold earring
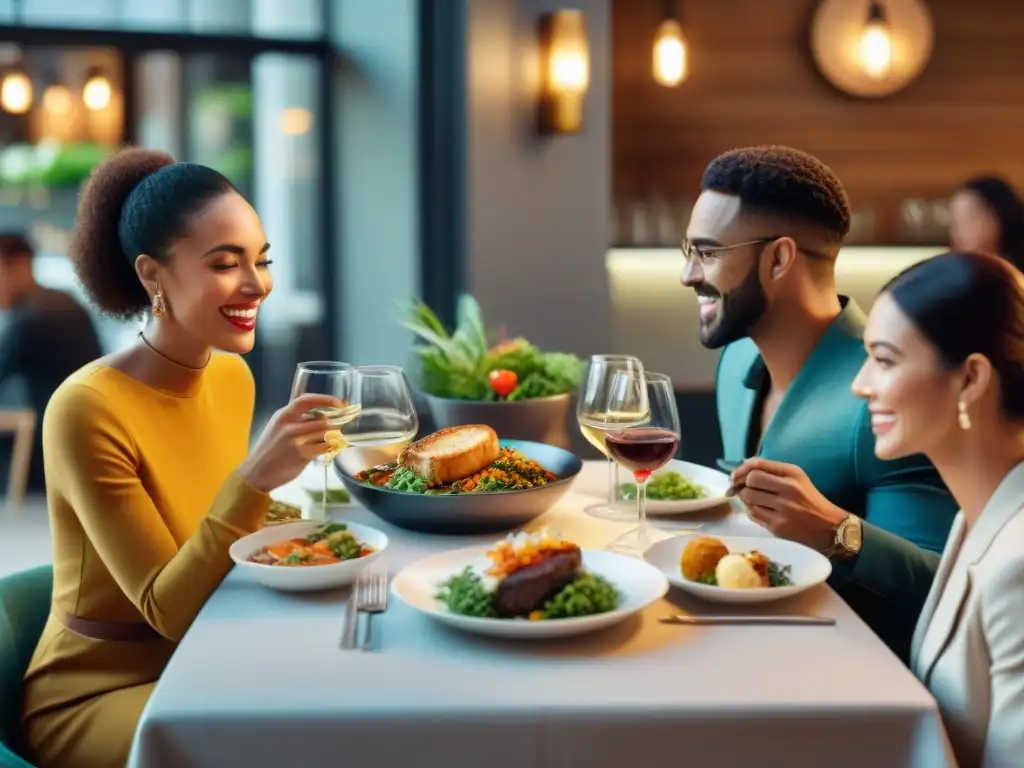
(962, 416)
(159, 308)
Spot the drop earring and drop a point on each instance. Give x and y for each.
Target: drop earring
(159, 308)
(962, 416)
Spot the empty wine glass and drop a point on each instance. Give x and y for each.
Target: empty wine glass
(596, 415)
(327, 377)
(643, 449)
(386, 421)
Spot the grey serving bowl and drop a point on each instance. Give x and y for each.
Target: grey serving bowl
(471, 513)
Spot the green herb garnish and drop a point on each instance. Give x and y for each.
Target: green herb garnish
(324, 531)
(466, 595)
(403, 479)
(588, 595)
(779, 575)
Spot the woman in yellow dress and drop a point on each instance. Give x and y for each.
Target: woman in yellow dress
(149, 474)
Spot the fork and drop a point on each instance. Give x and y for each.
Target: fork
(373, 598)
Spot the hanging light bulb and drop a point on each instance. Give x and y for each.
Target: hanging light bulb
(96, 92)
(16, 93)
(670, 54)
(875, 50)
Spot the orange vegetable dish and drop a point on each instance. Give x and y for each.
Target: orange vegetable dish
(332, 543)
(510, 556)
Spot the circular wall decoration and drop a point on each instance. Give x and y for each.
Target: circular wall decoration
(871, 48)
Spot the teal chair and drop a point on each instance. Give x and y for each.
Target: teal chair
(24, 606)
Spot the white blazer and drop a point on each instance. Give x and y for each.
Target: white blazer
(968, 647)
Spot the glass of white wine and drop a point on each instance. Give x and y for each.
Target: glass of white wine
(326, 377)
(386, 420)
(598, 414)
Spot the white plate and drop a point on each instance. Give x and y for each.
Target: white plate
(305, 578)
(639, 583)
(810, 568)
(717, 483)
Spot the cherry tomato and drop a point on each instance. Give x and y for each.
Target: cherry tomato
(503, 382)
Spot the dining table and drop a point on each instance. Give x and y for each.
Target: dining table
(260, 679)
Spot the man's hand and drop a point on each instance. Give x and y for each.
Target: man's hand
(782, 498)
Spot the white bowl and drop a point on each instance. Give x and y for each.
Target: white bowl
(809, 568)
(717, 483)
(639, 583)
(305, 578)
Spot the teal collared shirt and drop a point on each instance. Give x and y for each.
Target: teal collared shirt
(823, 428)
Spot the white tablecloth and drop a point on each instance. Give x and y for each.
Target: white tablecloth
(259, 681)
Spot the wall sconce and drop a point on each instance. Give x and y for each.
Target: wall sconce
(871, 48)
(16, 92)
(671, 52)
(96, 92)
(565, 71)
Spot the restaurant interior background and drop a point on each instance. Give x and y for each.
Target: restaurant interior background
(393, 151)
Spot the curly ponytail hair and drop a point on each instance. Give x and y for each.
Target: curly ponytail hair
(137, 201)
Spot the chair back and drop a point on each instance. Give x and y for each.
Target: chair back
(24, 607)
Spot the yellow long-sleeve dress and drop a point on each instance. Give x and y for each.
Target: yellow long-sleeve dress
(144, 504)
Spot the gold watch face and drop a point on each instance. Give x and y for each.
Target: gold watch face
(851, 535)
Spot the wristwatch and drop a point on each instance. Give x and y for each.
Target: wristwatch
(848, 539)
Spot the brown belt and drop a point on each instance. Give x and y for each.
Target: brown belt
(113, 631)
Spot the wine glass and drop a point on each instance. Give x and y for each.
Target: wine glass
(643, 449)
(596, 415)
(327, 377)
(386, 421)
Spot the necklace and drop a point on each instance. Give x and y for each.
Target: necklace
(170, 359)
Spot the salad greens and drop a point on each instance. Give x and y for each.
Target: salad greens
(666, 486)
(456, 365)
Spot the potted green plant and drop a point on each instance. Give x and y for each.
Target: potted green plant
(512, 386)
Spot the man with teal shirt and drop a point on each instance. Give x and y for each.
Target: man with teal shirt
(760, 253)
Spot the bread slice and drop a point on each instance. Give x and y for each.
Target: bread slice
(451, 454)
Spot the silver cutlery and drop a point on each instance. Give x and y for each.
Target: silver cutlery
(821, 621)
(348, 634)
(372, 598)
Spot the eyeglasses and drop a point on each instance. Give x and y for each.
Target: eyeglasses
(705, 253)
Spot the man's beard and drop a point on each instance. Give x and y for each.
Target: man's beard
(739, 311)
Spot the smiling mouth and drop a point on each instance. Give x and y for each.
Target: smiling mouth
(707, 304)
(243, 318)
(882, 422)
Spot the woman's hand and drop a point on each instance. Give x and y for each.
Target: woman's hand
(289, 442)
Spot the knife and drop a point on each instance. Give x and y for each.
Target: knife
(348, 634)
(821, 621)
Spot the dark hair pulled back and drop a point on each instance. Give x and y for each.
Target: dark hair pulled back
(1008, 208)
(137, 201)
(969, 303)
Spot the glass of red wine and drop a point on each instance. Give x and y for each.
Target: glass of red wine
(644, 449)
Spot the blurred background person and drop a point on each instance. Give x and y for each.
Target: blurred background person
(987, 216)
(48, 336)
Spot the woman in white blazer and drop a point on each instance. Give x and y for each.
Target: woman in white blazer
(945, 377)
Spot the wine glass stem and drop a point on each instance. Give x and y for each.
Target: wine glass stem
(641, 508)
(613, 482)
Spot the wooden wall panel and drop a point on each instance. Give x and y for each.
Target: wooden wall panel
(753, 81)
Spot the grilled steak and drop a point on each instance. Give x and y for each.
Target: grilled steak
(529, 588)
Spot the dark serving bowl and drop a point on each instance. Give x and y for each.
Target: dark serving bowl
(471, 513)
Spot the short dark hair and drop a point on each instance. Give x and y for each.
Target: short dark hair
(14, 244)
(1008, 208)
(967, 303)
(782, 181)
(136, 201)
